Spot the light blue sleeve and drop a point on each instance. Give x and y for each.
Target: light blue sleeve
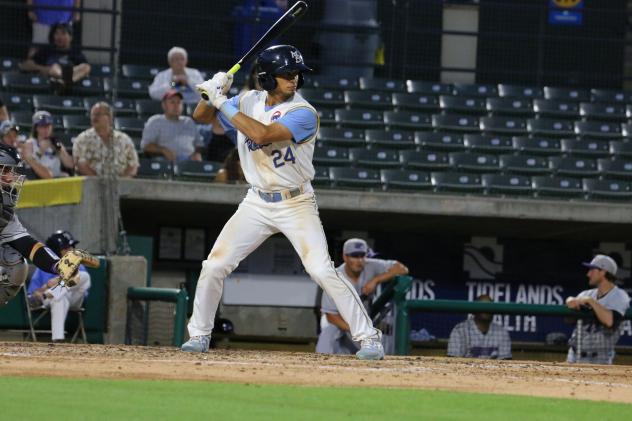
(226, 124)
(302, 123)
(38, 280)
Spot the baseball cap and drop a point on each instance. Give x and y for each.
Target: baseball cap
(42, 118)
(603, 262)
(355, 246)
(8, 125)
(171, 93)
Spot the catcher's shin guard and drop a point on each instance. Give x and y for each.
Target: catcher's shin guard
(11, 279)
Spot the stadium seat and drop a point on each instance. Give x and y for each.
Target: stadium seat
(382, 84)
(510, 106)
(76, 123)
(396, 139)
(537, 145)
(329, 155)
(428, 88)
(326, 116)
(67, 140)
(365, 178)
(341, 137)
(136, 71)
(132, 126)
(424, 160)
(456, 182)
(321, 176)
(562, 187)
(415, 102)
(601, 111)
(617, 168)
(154, 168)
(405, 180)
(58, 104)
(326, 97)
(586, 147)
(621, 149)
(565, 94)
(197, 170)
(556, 109)
(626, 130)
(359, 118)
(328, 82)
(148, 107)
(488, 143)
(22, 82)
(132, 88)
(524, 164)
(368, 99)
(124, 107)
(503, 125)
(507, 184)
(475, 90)
(473, 162)
(607, 189)
(374, 158)
(17, 102)
(23, 119)
(101, 70)
(461, 104)
(90, 86)
(550, 127)
(439, 141)
(602, 129)
(574, 167)
(9, 64)
(407, 120)
(519, 92)
(609, 96)
(455, 122)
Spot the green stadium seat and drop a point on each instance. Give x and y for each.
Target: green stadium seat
(397, 139)
(90, 86)
(562, 187)
(439, 141)
(17, 102)
(407, 120)
(329, 155)
(424, 160)
(321, 176)
(550, 127)
(22, 82)
(603, 129)
(456, 122)
(350, 138)
(59, 104)
(363, 178)
(586, 147)
(393, 180)
(519, 92)
(76, 123)
(9, 64)
(456, 182)
(510, 106)
(155, 168)
(368, 99)
(374, 158)
(132, 126)
(475, 90)
(602, 111)
(136, 71)
(488, 143)
(461, 104)
(566, 94)
(148, 107)
(524, 164)
(607, 189)
(507, 184)
(326, 116)
(382, 84)
(503, 125)
(473, 162)
(101, 70)
(132, 88)
(326, 97)
(621, 149)
(537, 145)
(197, 170)
(574, 167)
(556, 109)
(359, 118)
(616, 168)
(428, 88)
(328, 82)
(415, 102)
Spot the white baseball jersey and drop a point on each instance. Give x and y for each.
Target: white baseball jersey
(279, 165)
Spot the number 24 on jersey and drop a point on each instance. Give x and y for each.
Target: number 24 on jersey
(279, 158)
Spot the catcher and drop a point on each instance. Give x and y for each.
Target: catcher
(16, 243)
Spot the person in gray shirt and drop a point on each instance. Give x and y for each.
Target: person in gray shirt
(594, 338)
(172, 135)
(364, 274)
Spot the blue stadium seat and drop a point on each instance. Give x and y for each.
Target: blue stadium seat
(524, 164)
(17, 102)
(148, 107)
(349, 138)
(574, 167)
(439, 141)
(510, 106)
(461, 104)
(328, 82)
(407, 120)
(368, 99)
(155, 168)
(616, 168)
(132, 126)
(374, 158)
(329, 155)
(363, 178)
(550, 127)
(395, 139)
(566, 94)
(326, 97)
(405, 180)
(21, 82)
(321, 176)
(137, 71)
(90, 86)
(503, 125)
(58, 104)
(429, 88)
(603, 129)
(23, 119)
(507, 184)
(609, 96)
(382, 84)
(9, 64)
(456, 122)
(474, 162)
(626, 130)
(197, 170)
(586, 147)
(101, 70)
(537, 145)
(487, 143)
(75, 123)
(519, 92)
(456, 182)
(415, 102)
(424, 160)
(131, 88)
(326, 116)
(556, 109)
(621, 150)
(475, 90)
(602, 111)
(607, 189)
(359, 118)
(561, 187)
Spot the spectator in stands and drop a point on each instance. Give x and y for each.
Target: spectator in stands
(43, 291)
(4, 113)
(365, 274)
(232, 172)
(9, 134)
(178, 76)
(42, 152)
(594, 339)
(172, 135)
(480, 337)
(59, 60)
(103, 151)
(43, 18)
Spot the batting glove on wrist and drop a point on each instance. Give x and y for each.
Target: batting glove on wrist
(224, 80)
(219, 100)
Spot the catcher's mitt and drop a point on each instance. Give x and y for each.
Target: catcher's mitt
(68, 266)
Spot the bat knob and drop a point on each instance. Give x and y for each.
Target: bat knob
(204, 96)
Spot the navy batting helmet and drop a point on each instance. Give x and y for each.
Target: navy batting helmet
(276, 60)
(60, 240)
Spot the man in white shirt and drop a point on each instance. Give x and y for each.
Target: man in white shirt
(177, 76)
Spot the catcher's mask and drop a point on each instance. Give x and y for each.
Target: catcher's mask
(11, 179)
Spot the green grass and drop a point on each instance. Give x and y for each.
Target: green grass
(68, 399)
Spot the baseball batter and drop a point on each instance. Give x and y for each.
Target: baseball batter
(276, 130)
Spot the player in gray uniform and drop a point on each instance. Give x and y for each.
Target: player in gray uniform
(365, 274)
(594, 338)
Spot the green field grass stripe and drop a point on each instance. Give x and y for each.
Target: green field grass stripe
(27, 398)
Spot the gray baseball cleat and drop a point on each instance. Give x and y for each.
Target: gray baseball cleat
(197, 344)
(371, 349)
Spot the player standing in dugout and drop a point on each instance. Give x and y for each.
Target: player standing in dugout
(276, 130)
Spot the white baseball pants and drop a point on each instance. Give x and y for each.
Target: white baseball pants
(253, 222)
(63, 299)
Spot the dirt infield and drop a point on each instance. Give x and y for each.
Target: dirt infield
(609, 383)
